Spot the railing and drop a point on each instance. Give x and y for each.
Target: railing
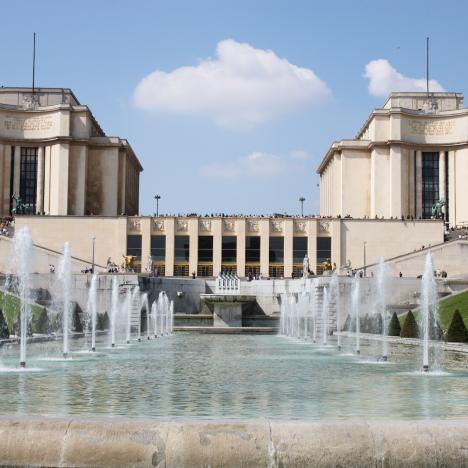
(227, 283)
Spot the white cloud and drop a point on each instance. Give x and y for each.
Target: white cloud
(383, 79)
(257, 165)
(240, 86)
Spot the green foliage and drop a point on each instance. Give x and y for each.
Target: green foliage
(394, 328)
(448, 306)
(10, 306)
(410, 327)
(457, 332)
(4, 332)
(40, 322)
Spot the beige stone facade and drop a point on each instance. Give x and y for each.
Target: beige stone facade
(272, 247)
(407, 156)
(56, 157)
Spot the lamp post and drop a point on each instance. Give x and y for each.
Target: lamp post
(92, 268)
(157, 198)
(302, 200)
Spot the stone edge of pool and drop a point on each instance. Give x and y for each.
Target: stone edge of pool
(40, 441)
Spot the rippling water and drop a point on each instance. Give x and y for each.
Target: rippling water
(231, 376)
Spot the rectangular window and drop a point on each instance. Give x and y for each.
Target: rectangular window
(252, 249)
(28, 178)
(276, 250)
(430, 182)
(205, 270)
(323, 252)
(181, 249)
(229, 249)
(205, 249)
(158, 248)
(276, 271)
(134, 246)
(299, 249)
(181, 270)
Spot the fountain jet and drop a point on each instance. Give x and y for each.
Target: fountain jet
(355, 306)
(92, 310)
(429, 308)
(64, 273)
(23, 248)
(114, 308)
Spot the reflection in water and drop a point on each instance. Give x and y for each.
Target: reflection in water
(233, 376)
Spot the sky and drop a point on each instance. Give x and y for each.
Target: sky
(231, 105)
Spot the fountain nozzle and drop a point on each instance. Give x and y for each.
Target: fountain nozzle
(93, 349)
(358, 351)
(339, 347)
(23, 364)
(139, 340)
(155, 336)
(384, 358)
(65, 355)
(113, 345)
(149, 338)
(425, 368)
(128, 341)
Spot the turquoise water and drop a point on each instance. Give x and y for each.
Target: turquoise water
(230, 376)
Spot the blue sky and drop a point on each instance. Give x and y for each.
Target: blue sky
(238, 130)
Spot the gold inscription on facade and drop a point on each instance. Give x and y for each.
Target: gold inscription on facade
(30, 124)
(440, 128)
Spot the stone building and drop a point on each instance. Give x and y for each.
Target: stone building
(269, 246)
(408, 155)
(58, 160)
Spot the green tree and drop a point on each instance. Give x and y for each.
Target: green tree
(394, 328)
(457, 332)
(410, 327)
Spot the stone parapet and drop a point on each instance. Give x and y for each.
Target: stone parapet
(261, 443)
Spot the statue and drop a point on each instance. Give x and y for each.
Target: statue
(305, 266)
(20, 207)
(437, 211)
(149, 264)
(129, 262)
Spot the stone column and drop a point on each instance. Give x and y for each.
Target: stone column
(169, 229)
(264, 228)
(312, 244)
(40, 180)
(16, 170)
(217, 231)
(418, 187)
(336, 243)
(240, 253)
(395, 182)
(452, 188)
(193, 245)
(145, 242)
(442, 174)
(288, 234)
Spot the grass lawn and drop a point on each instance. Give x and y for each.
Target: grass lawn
(446, 309)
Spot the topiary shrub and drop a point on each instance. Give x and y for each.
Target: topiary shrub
(457, 332)
(77, 326)
(4, 332)
(394, 328)
(102, 322)
(410, 327)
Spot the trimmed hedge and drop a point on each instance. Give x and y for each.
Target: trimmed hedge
(394, 328)
(457, 332)
(410, 327)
